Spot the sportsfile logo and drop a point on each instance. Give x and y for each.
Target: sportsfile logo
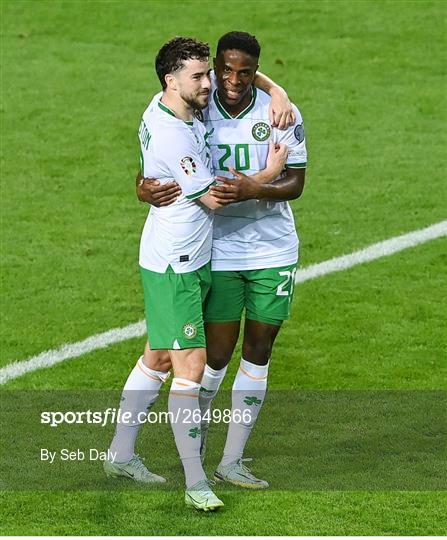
(108, 416)
(119, 416)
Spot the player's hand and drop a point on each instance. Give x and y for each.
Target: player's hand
(276, 158)
(150, 191)
(240, 188)
(281, 113)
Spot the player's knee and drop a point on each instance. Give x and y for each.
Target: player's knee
(193, 372)
(221, 340)
(257, 352)
(218, 358)
(157, 360)
(164, 364)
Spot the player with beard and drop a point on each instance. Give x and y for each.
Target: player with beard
(175, 253)
(255, 245)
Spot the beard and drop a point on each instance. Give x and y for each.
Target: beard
(196, 101)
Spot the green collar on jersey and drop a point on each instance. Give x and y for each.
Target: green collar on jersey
(247, 109)
(168, 110)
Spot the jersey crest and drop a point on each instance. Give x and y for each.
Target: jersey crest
(261, 131)
(189, 330)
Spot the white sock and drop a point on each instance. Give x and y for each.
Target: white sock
(184, 414)
(209, 387)
(139, 394)
(248, 394)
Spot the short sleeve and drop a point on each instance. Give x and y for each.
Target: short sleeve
(179, 152)
(295, 139)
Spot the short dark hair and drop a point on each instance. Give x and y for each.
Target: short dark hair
(242, 41)
(172, 55)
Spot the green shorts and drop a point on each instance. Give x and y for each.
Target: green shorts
(266, 295)
(174, 307)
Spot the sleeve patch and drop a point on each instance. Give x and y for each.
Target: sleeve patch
(188, 165)
(299, 133)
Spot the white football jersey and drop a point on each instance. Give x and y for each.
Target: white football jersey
(253, 234)
(180, 234)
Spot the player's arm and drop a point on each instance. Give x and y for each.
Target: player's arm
(281, 113)
(276, 160)
(150, 191)
(289, 187)
(211, 201)
(242, 187)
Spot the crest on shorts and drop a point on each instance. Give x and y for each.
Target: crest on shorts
(261, 131)
(188, 165)
(189, 330)
(299, 133)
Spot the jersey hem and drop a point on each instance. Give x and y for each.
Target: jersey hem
(162, 269)
(255, 264)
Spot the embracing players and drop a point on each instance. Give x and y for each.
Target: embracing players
(255, 245)
(175, 253)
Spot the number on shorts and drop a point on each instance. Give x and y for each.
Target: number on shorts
(290, 277)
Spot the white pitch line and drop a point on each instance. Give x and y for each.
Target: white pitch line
(372, 252)
(71, 350)
(100, 341)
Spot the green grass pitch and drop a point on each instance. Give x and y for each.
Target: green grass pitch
(369, 78)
